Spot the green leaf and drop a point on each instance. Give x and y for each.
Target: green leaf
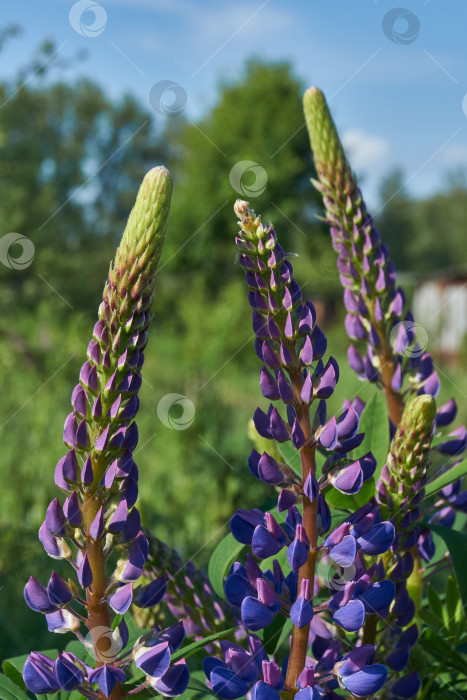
(282, 560)
(190, 649)
(272, 633)
(456, 542)
(12, 668)
(435, 601)
(431, 618)
(452, 597)
(446, 478)
(291, 456)
(78, 649)
(197, 687)
(374, 423)
(346, 502)
(436, 645)
(221, 559)
(10, 691)
(286, 631)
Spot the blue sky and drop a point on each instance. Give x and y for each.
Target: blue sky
(395, 103)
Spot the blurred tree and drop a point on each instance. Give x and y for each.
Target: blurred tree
(424, 234)
(440, 223)
(395, 221)
(70, 163)
(257, 118)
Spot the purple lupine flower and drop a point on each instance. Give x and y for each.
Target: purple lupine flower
(376, 306)
(400, 492)
(39, 674)
(99, 479)
(295, 375)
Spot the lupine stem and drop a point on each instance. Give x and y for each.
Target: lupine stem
(299, 645)
(307, 455)
(394, 399)
(415, 584)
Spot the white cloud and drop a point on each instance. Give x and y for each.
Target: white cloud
(454, 156)
(367, 152)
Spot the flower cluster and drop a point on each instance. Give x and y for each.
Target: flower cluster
(400, 494)
(377, 314)
(376, 307)
(291, 346)
(100, 482)
(189, 596)
(240, 670)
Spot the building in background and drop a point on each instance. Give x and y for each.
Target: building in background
(440, 308)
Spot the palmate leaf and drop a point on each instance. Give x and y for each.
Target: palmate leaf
(10, 691)
(12, 668)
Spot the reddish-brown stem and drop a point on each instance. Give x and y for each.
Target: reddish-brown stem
(299, 646)
(395, 405)
(99, 620)
(394, 399)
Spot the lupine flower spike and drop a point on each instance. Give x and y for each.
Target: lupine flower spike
(377, 312)
(400, 494)
(291, 345)
(394, 360)
(189, 596)
(99, 480)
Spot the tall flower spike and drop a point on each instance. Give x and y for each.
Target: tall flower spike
(400, 493)
(291, 345)
(376, 307)
(98, 472)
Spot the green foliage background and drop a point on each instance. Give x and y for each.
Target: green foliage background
(70, 164)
